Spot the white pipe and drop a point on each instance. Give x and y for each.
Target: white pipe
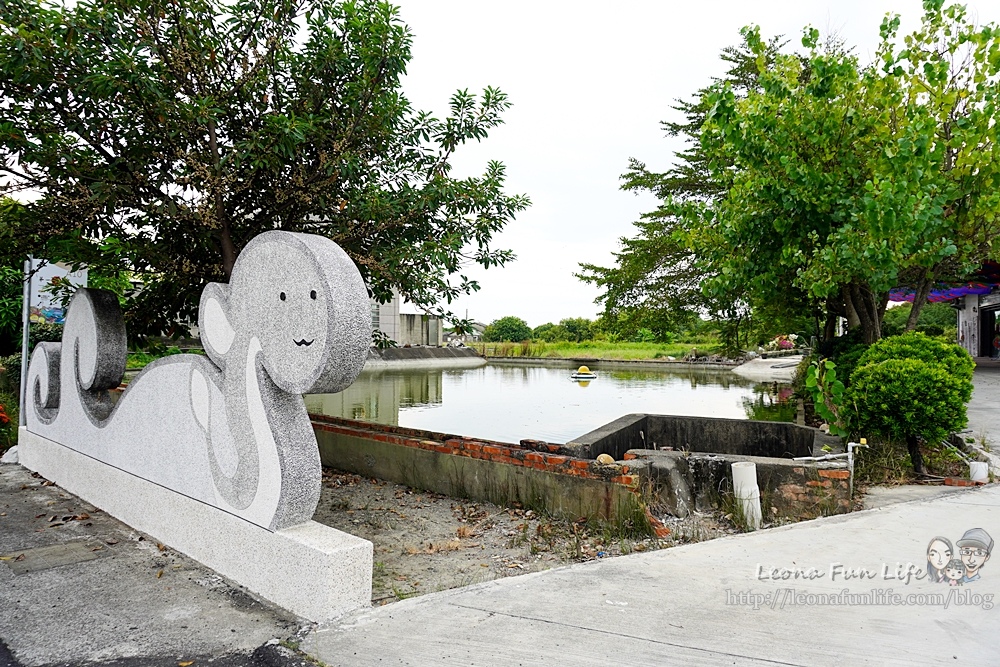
(825, 457)
(747, 491)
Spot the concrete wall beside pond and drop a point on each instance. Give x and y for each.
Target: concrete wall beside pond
(702, 434)
(686, 482)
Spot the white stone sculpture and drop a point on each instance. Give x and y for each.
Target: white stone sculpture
(229, 429)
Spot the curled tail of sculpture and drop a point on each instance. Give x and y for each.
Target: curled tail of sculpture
(89, 360)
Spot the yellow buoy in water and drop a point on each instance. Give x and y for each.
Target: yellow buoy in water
(582, 369)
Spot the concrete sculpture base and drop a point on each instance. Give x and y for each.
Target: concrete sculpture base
(312, 570)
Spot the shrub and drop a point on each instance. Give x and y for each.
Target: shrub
(916, 345)
(905, 399)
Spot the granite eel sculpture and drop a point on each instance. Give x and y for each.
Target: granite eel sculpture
(229, 428)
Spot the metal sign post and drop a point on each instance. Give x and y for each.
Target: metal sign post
(25, 326)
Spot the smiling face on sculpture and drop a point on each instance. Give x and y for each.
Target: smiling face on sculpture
(303, 300)
(288, 312)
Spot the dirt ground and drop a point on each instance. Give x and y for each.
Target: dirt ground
(425, 542)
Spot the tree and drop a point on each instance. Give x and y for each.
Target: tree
(851, 180)
(165, 134)
(835, 181)
(507, 329)
(578, 328)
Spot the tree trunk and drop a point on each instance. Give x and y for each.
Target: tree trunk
(228, 250)
(853, 320)
(869, 311)
(830, 326)
(919, 300)
(913, 445)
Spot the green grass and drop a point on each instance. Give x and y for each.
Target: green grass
(594, 349)
(140, 359)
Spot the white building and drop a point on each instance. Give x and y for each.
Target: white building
(977, 324)
(406, 328)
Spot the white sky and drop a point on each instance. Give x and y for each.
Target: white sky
(590, 83)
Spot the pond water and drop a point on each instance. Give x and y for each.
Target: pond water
(510, 403)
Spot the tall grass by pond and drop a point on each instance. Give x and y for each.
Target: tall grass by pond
(595, 349)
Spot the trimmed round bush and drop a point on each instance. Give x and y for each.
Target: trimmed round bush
(905, 399)
(915, 345)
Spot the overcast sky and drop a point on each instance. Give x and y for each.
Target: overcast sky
(589, 83)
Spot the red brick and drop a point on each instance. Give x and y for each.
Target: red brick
(625, 480)
(629, 456)
(958, 481)
(534, 457)
(813, 482)
(556, 460)
(798, 471)
(580, 464)
(492, 451)
(835, 474)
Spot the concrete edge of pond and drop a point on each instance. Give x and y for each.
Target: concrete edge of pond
(612, 364)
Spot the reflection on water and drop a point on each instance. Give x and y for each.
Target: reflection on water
(772, 402)
(379, 397)
(508, 403)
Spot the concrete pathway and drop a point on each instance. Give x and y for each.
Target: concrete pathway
(883, 496)
(713, 603)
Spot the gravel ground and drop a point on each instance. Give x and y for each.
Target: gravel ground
(425, 542)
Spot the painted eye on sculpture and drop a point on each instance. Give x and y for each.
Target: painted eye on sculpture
(312, 295)
(282, 296)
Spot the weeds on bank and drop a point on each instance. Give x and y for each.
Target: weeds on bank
(887, 463)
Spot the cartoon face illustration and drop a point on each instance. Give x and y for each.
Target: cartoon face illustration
(973, 558)
(939, 552)
(954, 570)
(974, 548)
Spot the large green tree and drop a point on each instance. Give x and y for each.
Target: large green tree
(162, 135)
(845, 181)
(832, 182)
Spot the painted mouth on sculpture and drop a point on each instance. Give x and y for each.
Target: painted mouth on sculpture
(303, 342)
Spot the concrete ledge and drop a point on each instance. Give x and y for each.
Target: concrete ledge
(312, 570)
(397, 358)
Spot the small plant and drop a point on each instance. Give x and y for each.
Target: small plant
(827, 393)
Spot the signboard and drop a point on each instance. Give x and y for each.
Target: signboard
(45, 305)
(989, 299)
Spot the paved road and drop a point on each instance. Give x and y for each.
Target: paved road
(77, 586)
(984, 408)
